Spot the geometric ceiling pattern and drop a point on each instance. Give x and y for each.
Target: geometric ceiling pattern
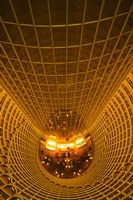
(65, 57)
(58, 59)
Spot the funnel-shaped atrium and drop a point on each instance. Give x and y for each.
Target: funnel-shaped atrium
(66, 99)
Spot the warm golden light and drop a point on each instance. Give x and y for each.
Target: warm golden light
(52, 143)
(80, 140)
(52, 137)
(65, 145)
(50, 147)
(64, 158)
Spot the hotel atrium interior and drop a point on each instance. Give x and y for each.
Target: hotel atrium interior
(66, 99)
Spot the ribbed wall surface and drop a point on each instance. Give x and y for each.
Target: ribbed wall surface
(63, 56)
(66, 56)
(108, 177)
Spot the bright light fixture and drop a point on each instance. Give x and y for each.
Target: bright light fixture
(80, 140)
(65, 145)
(52, 143)
(50, 147)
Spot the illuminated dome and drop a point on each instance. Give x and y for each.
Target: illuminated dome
(66, 157)
(66, 72)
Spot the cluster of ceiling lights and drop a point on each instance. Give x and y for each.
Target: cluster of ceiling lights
(51, 143)
(66, 159)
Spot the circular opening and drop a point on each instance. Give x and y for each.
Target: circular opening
(66, 158)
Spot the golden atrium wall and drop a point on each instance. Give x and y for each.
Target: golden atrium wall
(66, 56)
(109, 175)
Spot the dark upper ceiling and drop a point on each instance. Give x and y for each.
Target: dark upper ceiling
(65, 55)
